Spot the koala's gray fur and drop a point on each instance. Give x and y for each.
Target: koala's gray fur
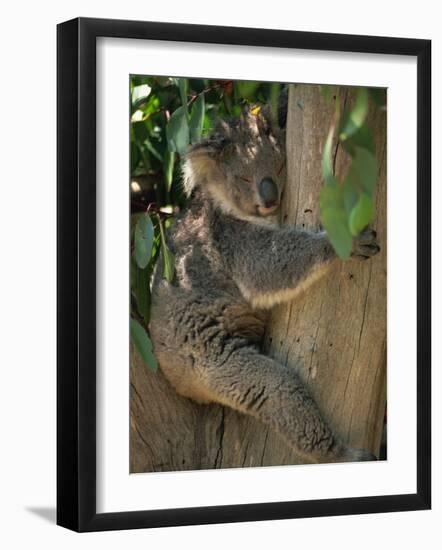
(234, 262)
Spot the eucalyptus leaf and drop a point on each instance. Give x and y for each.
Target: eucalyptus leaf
(362, 138)
(332, 197)
(336, 225)
(143, 344)
(168, 262)
(168, 257)
(247, 89)
(177, 131)
(183, 86)
(197, 119)
(363, 172)
(334, 219)
(134, 156)
(327, 165)
(351, 195)
(142, 292)
(361, 215)
(169, 161)
(140, 92)
(356, 116)
(143, 240)
(148, 144)
(379, 96)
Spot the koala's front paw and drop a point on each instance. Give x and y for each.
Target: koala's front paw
(365, 245)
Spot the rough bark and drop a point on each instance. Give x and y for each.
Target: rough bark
(334, 335)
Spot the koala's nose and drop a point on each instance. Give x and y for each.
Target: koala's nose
(268, 192)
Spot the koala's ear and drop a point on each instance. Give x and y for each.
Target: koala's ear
(202, 161)
(265, 120)
(213, 146)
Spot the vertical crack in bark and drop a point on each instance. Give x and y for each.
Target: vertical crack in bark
(338, 143)
(349, 374)
(264, 448)
(314, 345)
(299, 169)
(136, 392)
(219, 452)
(365, 307)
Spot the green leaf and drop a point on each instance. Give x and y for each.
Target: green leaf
(143, 241)
(356, 117)
(168, 262)
(362, 138)
(140, 92)
(334, 219)
(168, 258)
(142, 292)
(197, 119)
(379, 96)
(361, 215)
(351, 195)
(327, 166)
(177, 131)
(363, 172)
(134, 156)
(247, 89)
(143, 344)
(140, 130)
(148, 144)
(183, 85)
(169, 161)
(336, 225)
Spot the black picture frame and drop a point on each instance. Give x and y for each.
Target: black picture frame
(76, 274)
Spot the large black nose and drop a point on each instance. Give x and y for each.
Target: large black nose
(268, 192)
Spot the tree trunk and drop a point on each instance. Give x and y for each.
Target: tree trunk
(334, 335)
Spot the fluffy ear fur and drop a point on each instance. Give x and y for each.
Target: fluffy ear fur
(202, 161)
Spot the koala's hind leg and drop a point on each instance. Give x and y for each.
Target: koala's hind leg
(255, 384)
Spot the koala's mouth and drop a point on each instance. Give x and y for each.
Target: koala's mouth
(267, 210)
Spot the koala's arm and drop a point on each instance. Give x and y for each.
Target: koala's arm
(273, 265)
(255, 384)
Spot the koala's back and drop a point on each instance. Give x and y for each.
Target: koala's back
(202, 312)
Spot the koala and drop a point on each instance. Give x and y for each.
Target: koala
(234, 262)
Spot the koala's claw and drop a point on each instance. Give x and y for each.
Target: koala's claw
(365, 245)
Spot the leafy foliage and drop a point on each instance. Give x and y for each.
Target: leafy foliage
(347, 206)
(167, 116)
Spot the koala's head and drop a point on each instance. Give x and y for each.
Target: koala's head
(241, 167)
